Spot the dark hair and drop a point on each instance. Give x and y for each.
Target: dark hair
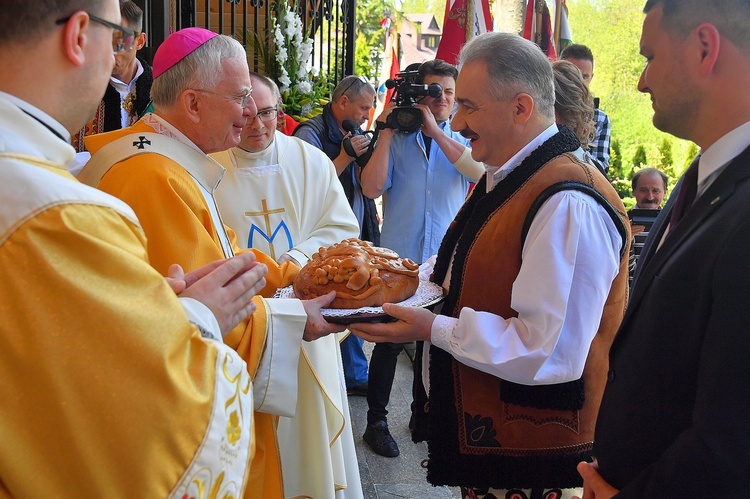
(730, 17)
(436, 67)
(577, 51)
(27, 21)
(266, 82)
(132, 15)
(648, 172)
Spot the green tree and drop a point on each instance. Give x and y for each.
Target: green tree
(612, 29)
(665, 154)
(434, 7)
(639, 158)
(618, 174)
(692, 152)
(615, 161)
(370, 41)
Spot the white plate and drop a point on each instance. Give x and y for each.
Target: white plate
(428, 293)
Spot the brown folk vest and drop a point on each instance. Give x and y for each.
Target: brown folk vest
(497, 433)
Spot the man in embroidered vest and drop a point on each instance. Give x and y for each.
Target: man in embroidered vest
(535, 266)
(112, 386)
(673, 420)
(281, 195)
(128, 93)
(202, 93)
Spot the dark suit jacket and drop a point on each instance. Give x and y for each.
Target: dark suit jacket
(675, 418)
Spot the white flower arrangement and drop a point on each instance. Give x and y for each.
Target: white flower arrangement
(287, 59)
(293, 50)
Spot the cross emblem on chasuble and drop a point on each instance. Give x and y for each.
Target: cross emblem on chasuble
(143, 142)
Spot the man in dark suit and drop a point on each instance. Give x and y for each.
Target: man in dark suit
(674, 418)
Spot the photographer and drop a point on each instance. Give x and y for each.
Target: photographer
(424, 177)
(351, 102)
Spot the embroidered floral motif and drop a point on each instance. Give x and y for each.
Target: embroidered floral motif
(234, 426)
(128, 104)
(218, 470)
(234, 432)
(484, 493)
(460, 14)
(480, 432)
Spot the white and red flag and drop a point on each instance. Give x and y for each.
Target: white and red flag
(464, 19)
(538, 27)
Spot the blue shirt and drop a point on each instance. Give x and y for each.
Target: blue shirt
(421, 197)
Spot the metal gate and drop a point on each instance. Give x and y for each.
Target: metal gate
(331, 24)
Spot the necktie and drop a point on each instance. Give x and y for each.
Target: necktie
(686, 196)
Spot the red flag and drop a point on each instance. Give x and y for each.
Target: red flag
(538, 27)
(529, 25)
(395, 68)
(464, 19)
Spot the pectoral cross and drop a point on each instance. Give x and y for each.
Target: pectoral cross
(267, 234)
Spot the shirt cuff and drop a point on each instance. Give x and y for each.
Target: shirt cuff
(299, 258)
(276, 381)
(200, 315)
(441, 332)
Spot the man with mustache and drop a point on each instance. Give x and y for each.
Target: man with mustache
(649, 188)
(535, 268)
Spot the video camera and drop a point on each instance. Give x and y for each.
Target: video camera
(405, 117)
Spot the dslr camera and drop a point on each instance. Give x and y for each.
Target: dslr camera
(405, 117)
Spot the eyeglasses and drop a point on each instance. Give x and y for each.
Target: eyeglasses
(361, 79)
(123, 39)
(265, 115)
(242, 100)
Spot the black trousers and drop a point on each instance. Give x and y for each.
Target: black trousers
(380, 379)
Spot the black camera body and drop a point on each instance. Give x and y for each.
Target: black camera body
(405, 117)
(352, 127)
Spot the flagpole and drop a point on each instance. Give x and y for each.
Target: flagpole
(470, 19)
(538, 11)
(558, 17)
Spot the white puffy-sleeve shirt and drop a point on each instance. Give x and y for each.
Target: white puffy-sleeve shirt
(569, 259)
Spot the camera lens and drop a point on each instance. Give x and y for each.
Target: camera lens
(406, 119)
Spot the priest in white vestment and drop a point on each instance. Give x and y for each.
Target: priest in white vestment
(282, 196)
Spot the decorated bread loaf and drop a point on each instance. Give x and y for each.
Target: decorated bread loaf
(362, 275)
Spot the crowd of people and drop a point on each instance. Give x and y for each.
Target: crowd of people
(140, 274)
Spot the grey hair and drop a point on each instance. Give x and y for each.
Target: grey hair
(350, 85)
(514, 65)
(201, 68)
(267, 82)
